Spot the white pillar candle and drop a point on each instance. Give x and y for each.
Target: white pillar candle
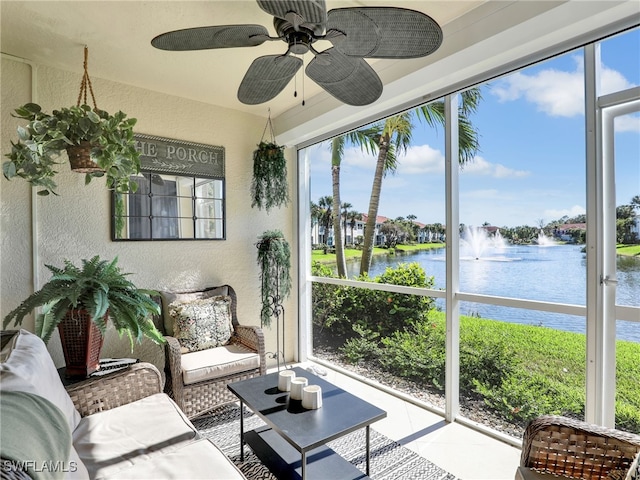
(284, 380)
(312, 397)
(297, 384)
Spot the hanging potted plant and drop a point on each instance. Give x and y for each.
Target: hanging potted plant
(79, 300)
(274, 260)
(269, 187)
(97, 144)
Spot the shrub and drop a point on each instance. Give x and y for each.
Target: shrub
(341, 307)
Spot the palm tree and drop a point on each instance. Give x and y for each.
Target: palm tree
(412, 225)
(316, 214)
(353, 216)
(395, 137)
(324, 204)
(365, 139)
(345, 209)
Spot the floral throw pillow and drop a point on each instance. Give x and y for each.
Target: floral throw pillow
(202, 324)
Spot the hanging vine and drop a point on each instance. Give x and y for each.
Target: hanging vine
(274, 260)
(269, 187)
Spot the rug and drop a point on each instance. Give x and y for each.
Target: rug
(389, 459)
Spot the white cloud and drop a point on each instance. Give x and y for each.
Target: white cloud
(489, 193)
(627, 123)
(556, 214)
(354, 156)
(421, 159)
(480, 166)
(555, 92)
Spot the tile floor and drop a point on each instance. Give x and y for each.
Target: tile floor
(460, 450)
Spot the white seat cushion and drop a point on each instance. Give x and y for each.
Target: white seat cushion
(217, 362)
(197, 460)
(137, 432)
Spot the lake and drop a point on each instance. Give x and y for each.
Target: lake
(554, 273)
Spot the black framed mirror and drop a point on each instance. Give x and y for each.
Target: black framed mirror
(180, 195)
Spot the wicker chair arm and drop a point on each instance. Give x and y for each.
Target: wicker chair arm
(174, 363)
(253, 337)
(101, 393)
(576, 449)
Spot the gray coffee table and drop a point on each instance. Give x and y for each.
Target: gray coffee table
(292, 445)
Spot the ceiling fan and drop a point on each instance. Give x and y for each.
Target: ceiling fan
(355, 33)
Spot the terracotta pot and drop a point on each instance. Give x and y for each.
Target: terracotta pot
(80, 158)
(81, 343)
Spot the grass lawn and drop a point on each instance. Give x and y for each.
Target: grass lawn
(628, 250)
(353, 254)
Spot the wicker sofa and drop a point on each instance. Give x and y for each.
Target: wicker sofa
(556, 447)
(197, 381)
(116, 426)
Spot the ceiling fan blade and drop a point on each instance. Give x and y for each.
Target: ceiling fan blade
(350, 79)
(267, 76)
(385, 32)
(201, 38)
(314, 12)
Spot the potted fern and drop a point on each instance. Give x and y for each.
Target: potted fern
(79, 300)
(97, 144)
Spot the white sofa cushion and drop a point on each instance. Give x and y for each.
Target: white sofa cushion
(217, 363)
(122, 437)
(200, 459)
(28, 367)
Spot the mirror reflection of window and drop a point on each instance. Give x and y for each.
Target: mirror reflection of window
(170, 207)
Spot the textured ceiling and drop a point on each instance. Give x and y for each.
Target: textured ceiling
(118, 35)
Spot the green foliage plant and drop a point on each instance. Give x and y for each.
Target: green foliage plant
(269, 187)
(274, 260)
(341, 307)
(100, 288)
(35, 156)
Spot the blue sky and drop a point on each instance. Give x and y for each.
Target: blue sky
(530, 167)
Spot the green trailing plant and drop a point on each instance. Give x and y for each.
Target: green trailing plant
(35, 156)
(274, 259)
(98, 287)
(269, 187)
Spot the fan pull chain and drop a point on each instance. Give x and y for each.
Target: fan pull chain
(303, 81)
(86, 82)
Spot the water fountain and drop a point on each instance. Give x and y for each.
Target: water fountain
(544, 241)
(476, 244)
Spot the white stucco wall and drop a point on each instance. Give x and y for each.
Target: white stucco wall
(75, 224)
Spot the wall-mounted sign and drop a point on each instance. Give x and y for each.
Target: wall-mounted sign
(175, 157)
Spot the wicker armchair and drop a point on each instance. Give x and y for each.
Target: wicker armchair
(198, 398)
(574, 449)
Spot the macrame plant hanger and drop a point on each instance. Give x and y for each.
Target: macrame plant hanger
(269, 126)
(80, 155)
(86, 83)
